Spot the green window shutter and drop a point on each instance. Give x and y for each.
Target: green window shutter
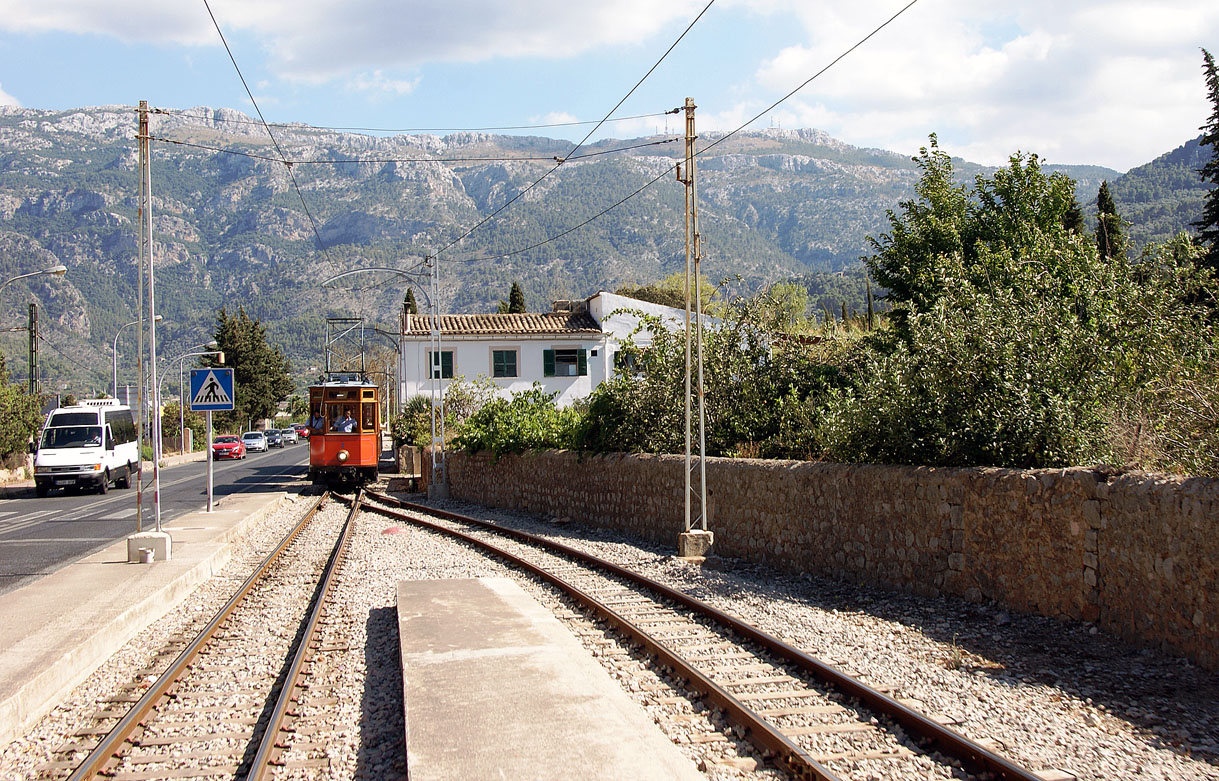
(582, 362)
(547, 363)
(446, 365)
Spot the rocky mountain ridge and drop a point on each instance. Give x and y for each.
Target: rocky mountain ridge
(231, 228)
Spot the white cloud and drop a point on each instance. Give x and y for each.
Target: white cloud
(319, 39)
(7, 99)
(378, 82)
(1114, 83)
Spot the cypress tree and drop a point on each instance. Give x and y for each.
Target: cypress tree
(1108, 225)
(1208, 225)
(1073, 218)
(516, 300)
(409, 302)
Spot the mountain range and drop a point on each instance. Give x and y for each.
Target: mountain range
(234, 226)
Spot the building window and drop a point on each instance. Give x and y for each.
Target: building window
(445, 365)
(503, 363)
(565, 363)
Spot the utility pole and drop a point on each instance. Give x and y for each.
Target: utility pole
(157, 541)
(439, 489)
(692, 543)
(33, 331)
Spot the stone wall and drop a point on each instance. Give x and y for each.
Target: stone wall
(1138, 554)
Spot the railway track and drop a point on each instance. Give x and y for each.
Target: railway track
(235, 700)
(809, 718)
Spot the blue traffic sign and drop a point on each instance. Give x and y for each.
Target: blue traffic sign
(211, 390)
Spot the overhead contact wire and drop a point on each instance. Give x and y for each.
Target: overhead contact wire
(559, 162)
(665, 173)
(295, 184)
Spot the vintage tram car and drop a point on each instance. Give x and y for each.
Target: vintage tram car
(345, 430)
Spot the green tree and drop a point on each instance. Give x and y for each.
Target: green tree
(20, 415)
(516, 300)
(1026, 347)
(1008, 214)
(1109, 239)
(409, 302)
(260, 371)
(1208, 225)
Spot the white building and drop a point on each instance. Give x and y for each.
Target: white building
(569, 351)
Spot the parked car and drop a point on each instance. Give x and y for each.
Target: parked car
(301, 430)
(274, 438)
(289, 435)
(255, 441)
(227, 447)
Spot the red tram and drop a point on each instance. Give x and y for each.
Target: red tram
(344, 430)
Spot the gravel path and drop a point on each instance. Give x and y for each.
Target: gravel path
(1050, 694)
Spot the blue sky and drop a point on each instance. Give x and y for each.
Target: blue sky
(1077, 81)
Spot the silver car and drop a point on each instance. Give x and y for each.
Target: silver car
(289, 435)
(255, 441)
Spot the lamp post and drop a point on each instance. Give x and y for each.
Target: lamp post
(182, 389)
(115, 353)
(54, 271)
(156, 402)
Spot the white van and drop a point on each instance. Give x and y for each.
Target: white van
(90, 445)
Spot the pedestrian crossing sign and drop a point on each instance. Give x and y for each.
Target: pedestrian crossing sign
(211, 390)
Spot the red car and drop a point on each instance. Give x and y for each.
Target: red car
(301, 430)
(227, 447)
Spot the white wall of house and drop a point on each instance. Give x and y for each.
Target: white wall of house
(473, 354)
(473, 358)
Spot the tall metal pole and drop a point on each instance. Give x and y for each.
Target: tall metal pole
(33, 331)
(152, 325)
(210, 459)
(145, 198)
(694, 363)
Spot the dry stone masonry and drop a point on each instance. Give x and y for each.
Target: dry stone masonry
(1136, 553)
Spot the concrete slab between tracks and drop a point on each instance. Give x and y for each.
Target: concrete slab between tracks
(495, 687)
(57, 630)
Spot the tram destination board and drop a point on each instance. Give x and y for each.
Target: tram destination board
(211, 390)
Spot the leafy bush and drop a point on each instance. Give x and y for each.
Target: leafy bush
(529, 420)
(20, 415)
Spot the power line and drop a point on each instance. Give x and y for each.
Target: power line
(257, 156)
(574, 149)
(719, 141)
(297, 125)
(317, 234)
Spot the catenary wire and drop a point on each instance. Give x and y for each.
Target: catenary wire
(304, 126)
(296, 185)
(719, 141)
(589, 135)
(268, 158)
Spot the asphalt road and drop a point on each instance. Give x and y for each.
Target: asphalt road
(38, 536)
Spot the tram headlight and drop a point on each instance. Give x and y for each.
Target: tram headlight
(342, 456)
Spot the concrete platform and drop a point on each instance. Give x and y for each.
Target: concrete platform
(57, 630)
(495, 687)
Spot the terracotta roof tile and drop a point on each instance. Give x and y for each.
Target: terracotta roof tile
(528, 323)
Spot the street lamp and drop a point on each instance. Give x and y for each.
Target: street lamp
(156, 402)
(115, 353)
(54, 271)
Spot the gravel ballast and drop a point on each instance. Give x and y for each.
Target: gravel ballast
(1045, 693)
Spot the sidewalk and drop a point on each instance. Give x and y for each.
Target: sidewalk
(71, 621)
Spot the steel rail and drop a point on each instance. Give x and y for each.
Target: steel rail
(270, 748)
(761, 732)
(929, 731)
(106, 752)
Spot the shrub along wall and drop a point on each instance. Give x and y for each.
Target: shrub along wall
(1136, 553)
